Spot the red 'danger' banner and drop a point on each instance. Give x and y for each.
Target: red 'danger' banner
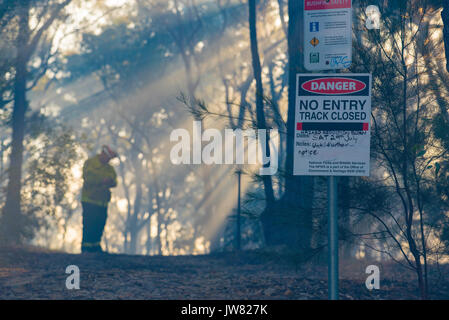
(333, 86)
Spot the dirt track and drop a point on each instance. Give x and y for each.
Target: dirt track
(36, 274)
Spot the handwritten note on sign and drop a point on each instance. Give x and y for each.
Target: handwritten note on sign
(333, 130)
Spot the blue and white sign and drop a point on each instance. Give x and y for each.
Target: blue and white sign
(327, 34)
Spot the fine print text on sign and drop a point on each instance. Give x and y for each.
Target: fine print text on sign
(333, 131)
(327, 34)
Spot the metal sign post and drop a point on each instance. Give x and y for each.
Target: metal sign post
(238, 236)
(332, 190)
(333, 139)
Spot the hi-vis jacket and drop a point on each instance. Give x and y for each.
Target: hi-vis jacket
(95, 188)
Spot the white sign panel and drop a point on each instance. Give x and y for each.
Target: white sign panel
(333, 130)
(327, 34)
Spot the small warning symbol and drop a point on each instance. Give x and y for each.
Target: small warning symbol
(314, 42)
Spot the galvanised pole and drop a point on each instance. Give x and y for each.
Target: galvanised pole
(333, 238)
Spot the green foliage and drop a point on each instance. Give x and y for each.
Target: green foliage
(52, 152)
(118, 54)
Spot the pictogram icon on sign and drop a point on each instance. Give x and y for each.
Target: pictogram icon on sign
(314, 42)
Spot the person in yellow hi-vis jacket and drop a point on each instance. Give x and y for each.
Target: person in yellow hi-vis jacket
(99, 177)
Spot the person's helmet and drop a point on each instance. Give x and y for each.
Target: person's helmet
(109, 152)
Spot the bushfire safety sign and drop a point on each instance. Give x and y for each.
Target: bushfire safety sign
(327, 34)
(333, 127)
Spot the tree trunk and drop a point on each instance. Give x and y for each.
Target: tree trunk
(159, 221)
(13, 223)
(296, 203)
(445, 17)
(261, 122)
(134, 223)
(149, 243)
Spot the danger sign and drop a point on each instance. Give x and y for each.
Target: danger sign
(327, 34)
(332, 135)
